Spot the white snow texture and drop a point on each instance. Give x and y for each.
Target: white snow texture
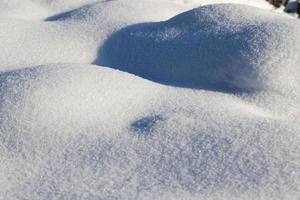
(148, 99)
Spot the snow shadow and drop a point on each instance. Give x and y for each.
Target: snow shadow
(60, 16)
(145, 125)
(171, 62)
(170, 54)
(210, 47)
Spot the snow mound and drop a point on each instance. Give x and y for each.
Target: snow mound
(223, 47)
(59, 95)
(71, 31)
(36, 43)
(74, 37)
(118, 11)
(87, 132)
(80, 131)
(25, 9)
(38, 9)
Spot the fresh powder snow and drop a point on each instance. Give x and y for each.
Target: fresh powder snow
(149, 99)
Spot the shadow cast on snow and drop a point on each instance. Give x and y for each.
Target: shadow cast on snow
(157, 61)
(166, 55)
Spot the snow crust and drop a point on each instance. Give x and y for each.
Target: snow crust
(148, 99)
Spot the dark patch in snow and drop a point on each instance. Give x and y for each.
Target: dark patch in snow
(144, 126)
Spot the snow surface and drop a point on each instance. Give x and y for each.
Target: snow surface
(234, 48)
(148, 99)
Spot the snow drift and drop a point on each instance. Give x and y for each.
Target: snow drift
(86, 132)
(215, 46)
(80, 131)
(73, 36)
(64, 31)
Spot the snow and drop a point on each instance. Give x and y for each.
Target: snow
(234, 48)
(148, 99)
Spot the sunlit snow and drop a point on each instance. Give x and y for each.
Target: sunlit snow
(148, 99)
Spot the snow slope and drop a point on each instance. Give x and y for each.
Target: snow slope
(41, 9)
(68, 127)
(234, 48)
(178, 103)
(77, 38)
